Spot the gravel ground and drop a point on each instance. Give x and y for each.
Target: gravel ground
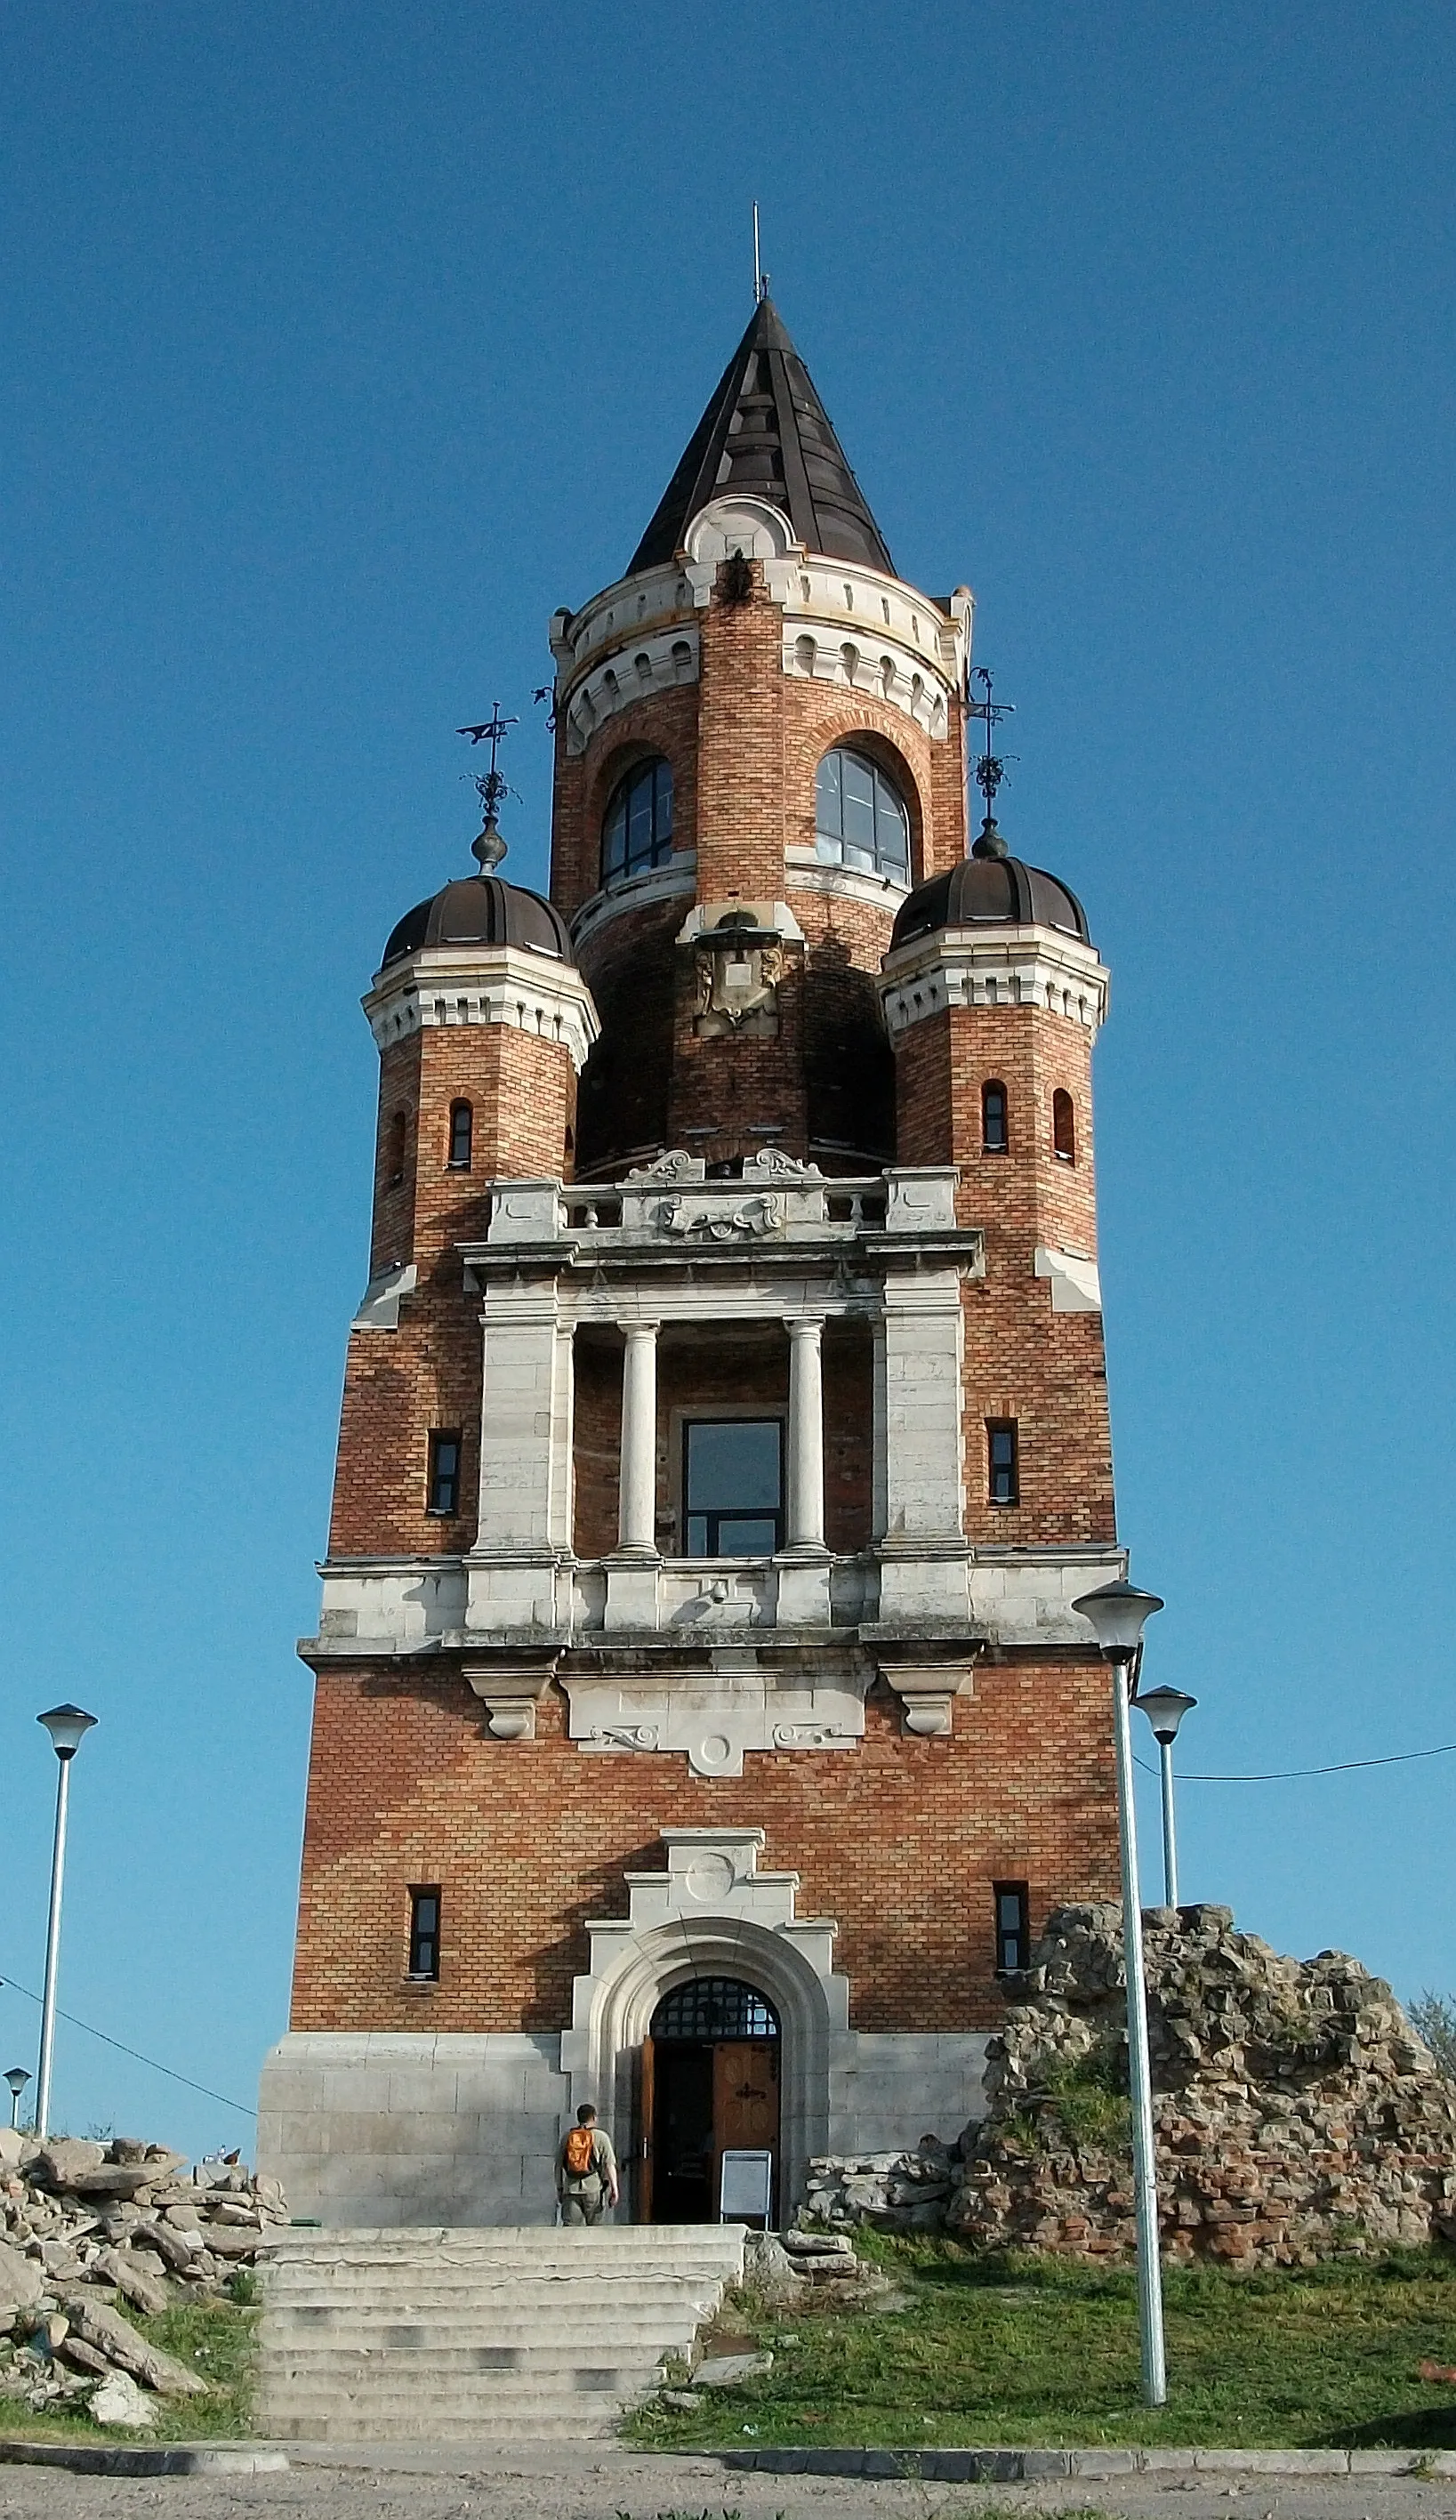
(599, 2482)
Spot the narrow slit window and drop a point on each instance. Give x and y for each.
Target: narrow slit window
(424, 1939)
(394, 1151)
(444, 1472)
(1013, 1926)
(1063, 1126)
(462, 1131)
(993, 1132)
(1003, 1462)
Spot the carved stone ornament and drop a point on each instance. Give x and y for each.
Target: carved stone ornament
(745, 1219)
(511, 1692)
(676, 1165)
(738, 963)
(769, 1164)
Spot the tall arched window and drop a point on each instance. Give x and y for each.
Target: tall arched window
(1063, 1126)
(859, 815)
(637, 826)
(994, 1137)
(462, 1129)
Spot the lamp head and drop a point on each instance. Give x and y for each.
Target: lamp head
(15, 2081)
(1164, 1709)
(68, 1726)
(1116, 1615)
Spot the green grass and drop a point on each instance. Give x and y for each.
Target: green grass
(1041, 2352)
(216, 2339)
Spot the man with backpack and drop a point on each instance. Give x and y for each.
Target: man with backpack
(585, 2170)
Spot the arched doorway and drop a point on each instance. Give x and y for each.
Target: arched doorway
(710, 2084)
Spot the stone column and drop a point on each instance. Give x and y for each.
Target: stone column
(637, 1520)
(805, 1498)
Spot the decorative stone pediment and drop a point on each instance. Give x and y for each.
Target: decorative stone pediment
(713, 1716)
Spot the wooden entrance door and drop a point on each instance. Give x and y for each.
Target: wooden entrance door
(646, 2131)
(746, 2101)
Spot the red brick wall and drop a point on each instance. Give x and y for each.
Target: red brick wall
(400, 1385)
(899, 1840)
(1045, 1370)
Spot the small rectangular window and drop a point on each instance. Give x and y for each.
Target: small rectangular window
(423, 1940)
(1013, 1926)
(733, 1481)
(993, 1132)
(1003, 1463)
(444, 1472)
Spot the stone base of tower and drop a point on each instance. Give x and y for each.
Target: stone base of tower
(400, 2128)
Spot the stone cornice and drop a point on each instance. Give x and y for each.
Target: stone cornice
(994, 966)
(485, 984)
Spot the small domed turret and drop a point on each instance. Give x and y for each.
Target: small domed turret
(990, 888)
(482, 909)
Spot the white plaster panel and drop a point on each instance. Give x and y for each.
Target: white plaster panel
(715, 1724)
(626, 669)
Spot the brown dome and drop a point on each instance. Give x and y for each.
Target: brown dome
(482, 909)
(983, 891)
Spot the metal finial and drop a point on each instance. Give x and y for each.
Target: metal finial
(760, 276)
(488, 848)
(991, 767)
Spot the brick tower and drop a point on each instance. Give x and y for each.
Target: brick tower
(702, 1723)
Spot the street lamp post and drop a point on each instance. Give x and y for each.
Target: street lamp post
(1116, 1615)
(68, 1726)
(16, 2079)
(1164, 1709)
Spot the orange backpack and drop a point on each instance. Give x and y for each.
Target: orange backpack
(579, 2151)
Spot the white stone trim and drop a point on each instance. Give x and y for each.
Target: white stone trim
(833, 601)
(617, 617)
(675, 880)
(806, 871)
(995, 966)
(485, 984)
(876, 668)
(378, 1305)
(646, 661)
(1075, 1284)
(712, 1914)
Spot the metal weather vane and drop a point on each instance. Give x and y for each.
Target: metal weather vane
(990, 766)
(491, 786)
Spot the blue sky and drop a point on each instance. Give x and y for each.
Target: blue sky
(338, 347)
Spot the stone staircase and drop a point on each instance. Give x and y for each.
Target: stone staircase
(478, 2334)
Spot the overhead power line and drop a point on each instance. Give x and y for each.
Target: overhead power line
(1284, 1775)
(134, 2052)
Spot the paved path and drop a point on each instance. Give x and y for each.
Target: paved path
(599, 2482)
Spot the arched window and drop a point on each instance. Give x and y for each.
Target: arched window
(1064, 1127)
(462, 1123)
(859, 815)
(637, 828)
(709, 2009)
(993, 1131)
(394, 1151)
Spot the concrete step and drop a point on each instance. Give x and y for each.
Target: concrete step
(401, 2332)
(458, 2335)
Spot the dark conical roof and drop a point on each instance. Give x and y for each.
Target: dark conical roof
(1000, 891)
(767, 431)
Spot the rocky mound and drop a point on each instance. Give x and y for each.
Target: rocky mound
(95, 2230)
(1298, 2114)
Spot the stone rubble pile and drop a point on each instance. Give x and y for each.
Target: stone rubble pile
(1298, 2114)
(91, 2232)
